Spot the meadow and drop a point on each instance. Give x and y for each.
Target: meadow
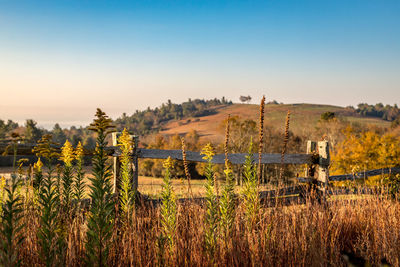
(67, 214)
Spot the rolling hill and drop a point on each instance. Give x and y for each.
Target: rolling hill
(303, 116)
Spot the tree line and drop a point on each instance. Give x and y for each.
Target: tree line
(385, 112)
(152, 120)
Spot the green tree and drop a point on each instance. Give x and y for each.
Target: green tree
(32, 132)
(58, 134)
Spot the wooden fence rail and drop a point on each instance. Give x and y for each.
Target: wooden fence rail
(317, 160)
(236, 158)
(364, 174)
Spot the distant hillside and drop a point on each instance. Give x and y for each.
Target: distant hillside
(152, 120)
(303, 116)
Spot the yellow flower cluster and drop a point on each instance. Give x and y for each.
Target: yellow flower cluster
(67, 153)
(168, 163)
(79, 152)
(45, 148)
(20, 164)
(208, 152)
(228, 170)
(125, 141)
(38, 165)
(2, 183)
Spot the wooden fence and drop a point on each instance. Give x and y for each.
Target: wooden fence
(316, 158)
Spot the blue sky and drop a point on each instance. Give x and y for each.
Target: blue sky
(62, 59)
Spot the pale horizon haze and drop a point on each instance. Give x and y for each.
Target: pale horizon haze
(60, 60)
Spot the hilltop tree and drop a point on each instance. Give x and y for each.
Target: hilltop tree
(245, 99)
(327, 116)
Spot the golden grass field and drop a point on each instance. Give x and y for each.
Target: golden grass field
(151, 186)
(303, 115)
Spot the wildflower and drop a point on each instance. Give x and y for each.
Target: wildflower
(67, 153)
(228, 170)
(38, 165)
(127, 194)
(168, 163)
(2, 183)
(45, 148)
(125, 141)
(79, 153)
(208, 152)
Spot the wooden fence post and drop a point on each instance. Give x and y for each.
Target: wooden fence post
(311, 149)
(324, 161)
(135, 161)
(117, 163)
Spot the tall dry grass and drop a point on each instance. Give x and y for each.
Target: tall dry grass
(306, 235)
(212, 233)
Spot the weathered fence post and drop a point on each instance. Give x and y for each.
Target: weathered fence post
(117, 163)
(324, 161)
(311, 149)
(135, 161)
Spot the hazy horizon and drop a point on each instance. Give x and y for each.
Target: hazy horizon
(65, 121)
(60, 60)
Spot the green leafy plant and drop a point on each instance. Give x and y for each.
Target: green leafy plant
(228, 198)
(250, 192)
(67, 156)
(212, 210)
(79, 184)
(49, 238)
(126, 192)
(227, 203)
(12, 225)
(168, 207)
(101, 213)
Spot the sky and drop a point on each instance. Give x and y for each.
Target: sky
(60, 60)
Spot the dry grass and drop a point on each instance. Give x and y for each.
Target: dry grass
(306, 235)
(366, 229)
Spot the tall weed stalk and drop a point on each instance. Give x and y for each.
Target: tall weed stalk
(101, 213)
(49, 235)
(79, 184)
(250, 191)
(211, 217)
(12, 223)
(126, 192)
(168, 209)
(228, 198)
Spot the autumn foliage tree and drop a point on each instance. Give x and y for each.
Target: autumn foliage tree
(365, 151)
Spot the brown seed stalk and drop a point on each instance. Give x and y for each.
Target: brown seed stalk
(285, 141)
(261, 137)
(216, 184)
(226, 140)
(185, 166)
